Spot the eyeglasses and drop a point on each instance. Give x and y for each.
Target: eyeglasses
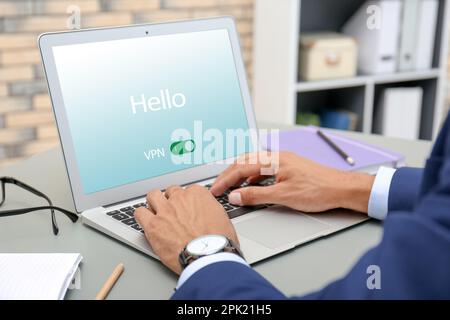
(4, 180)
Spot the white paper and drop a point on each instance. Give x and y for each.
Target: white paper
(36, 276)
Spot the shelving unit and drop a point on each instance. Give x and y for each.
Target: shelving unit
(279, 93)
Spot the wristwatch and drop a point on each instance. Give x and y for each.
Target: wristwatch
(205, 246)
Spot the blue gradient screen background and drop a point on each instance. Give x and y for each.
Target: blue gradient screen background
(97, 80)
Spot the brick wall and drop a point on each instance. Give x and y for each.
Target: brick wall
(26, 119)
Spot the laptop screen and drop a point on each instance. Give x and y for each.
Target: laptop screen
(144, 107)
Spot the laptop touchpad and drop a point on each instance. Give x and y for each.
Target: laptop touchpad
(279, 226)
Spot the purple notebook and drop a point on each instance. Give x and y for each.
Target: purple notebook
(305, 142)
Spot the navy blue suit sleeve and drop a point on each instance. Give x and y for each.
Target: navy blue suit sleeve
(227, 280)
(412, 259)
(404, 189)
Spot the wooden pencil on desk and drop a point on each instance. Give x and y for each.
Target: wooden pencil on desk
(104, 291)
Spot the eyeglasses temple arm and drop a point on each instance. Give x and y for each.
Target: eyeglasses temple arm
(27, 187)
(72, 216)
(2, 182)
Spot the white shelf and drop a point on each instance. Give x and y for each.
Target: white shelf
(305, 86)
(362, 80)
(279, 95)
(407, 76)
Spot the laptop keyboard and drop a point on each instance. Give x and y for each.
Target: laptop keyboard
(125, 215)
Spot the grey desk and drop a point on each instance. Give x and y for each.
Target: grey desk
(301, 270)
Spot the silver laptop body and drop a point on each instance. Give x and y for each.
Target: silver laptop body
(88, 70)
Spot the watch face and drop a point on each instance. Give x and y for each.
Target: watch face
(207, 245)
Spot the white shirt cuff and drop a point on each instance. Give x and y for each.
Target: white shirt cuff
(379, 195)
(204, 261)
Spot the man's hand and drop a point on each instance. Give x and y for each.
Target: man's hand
(176, 217)
(300, 184)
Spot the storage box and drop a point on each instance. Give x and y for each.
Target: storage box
(327, 55)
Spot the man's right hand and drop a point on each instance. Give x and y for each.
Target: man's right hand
(300, 184)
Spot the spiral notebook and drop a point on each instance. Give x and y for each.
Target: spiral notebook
(34, 276)
(306, 143)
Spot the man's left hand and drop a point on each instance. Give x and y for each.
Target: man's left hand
(176, 217)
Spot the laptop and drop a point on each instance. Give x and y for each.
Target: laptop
(137, 108)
